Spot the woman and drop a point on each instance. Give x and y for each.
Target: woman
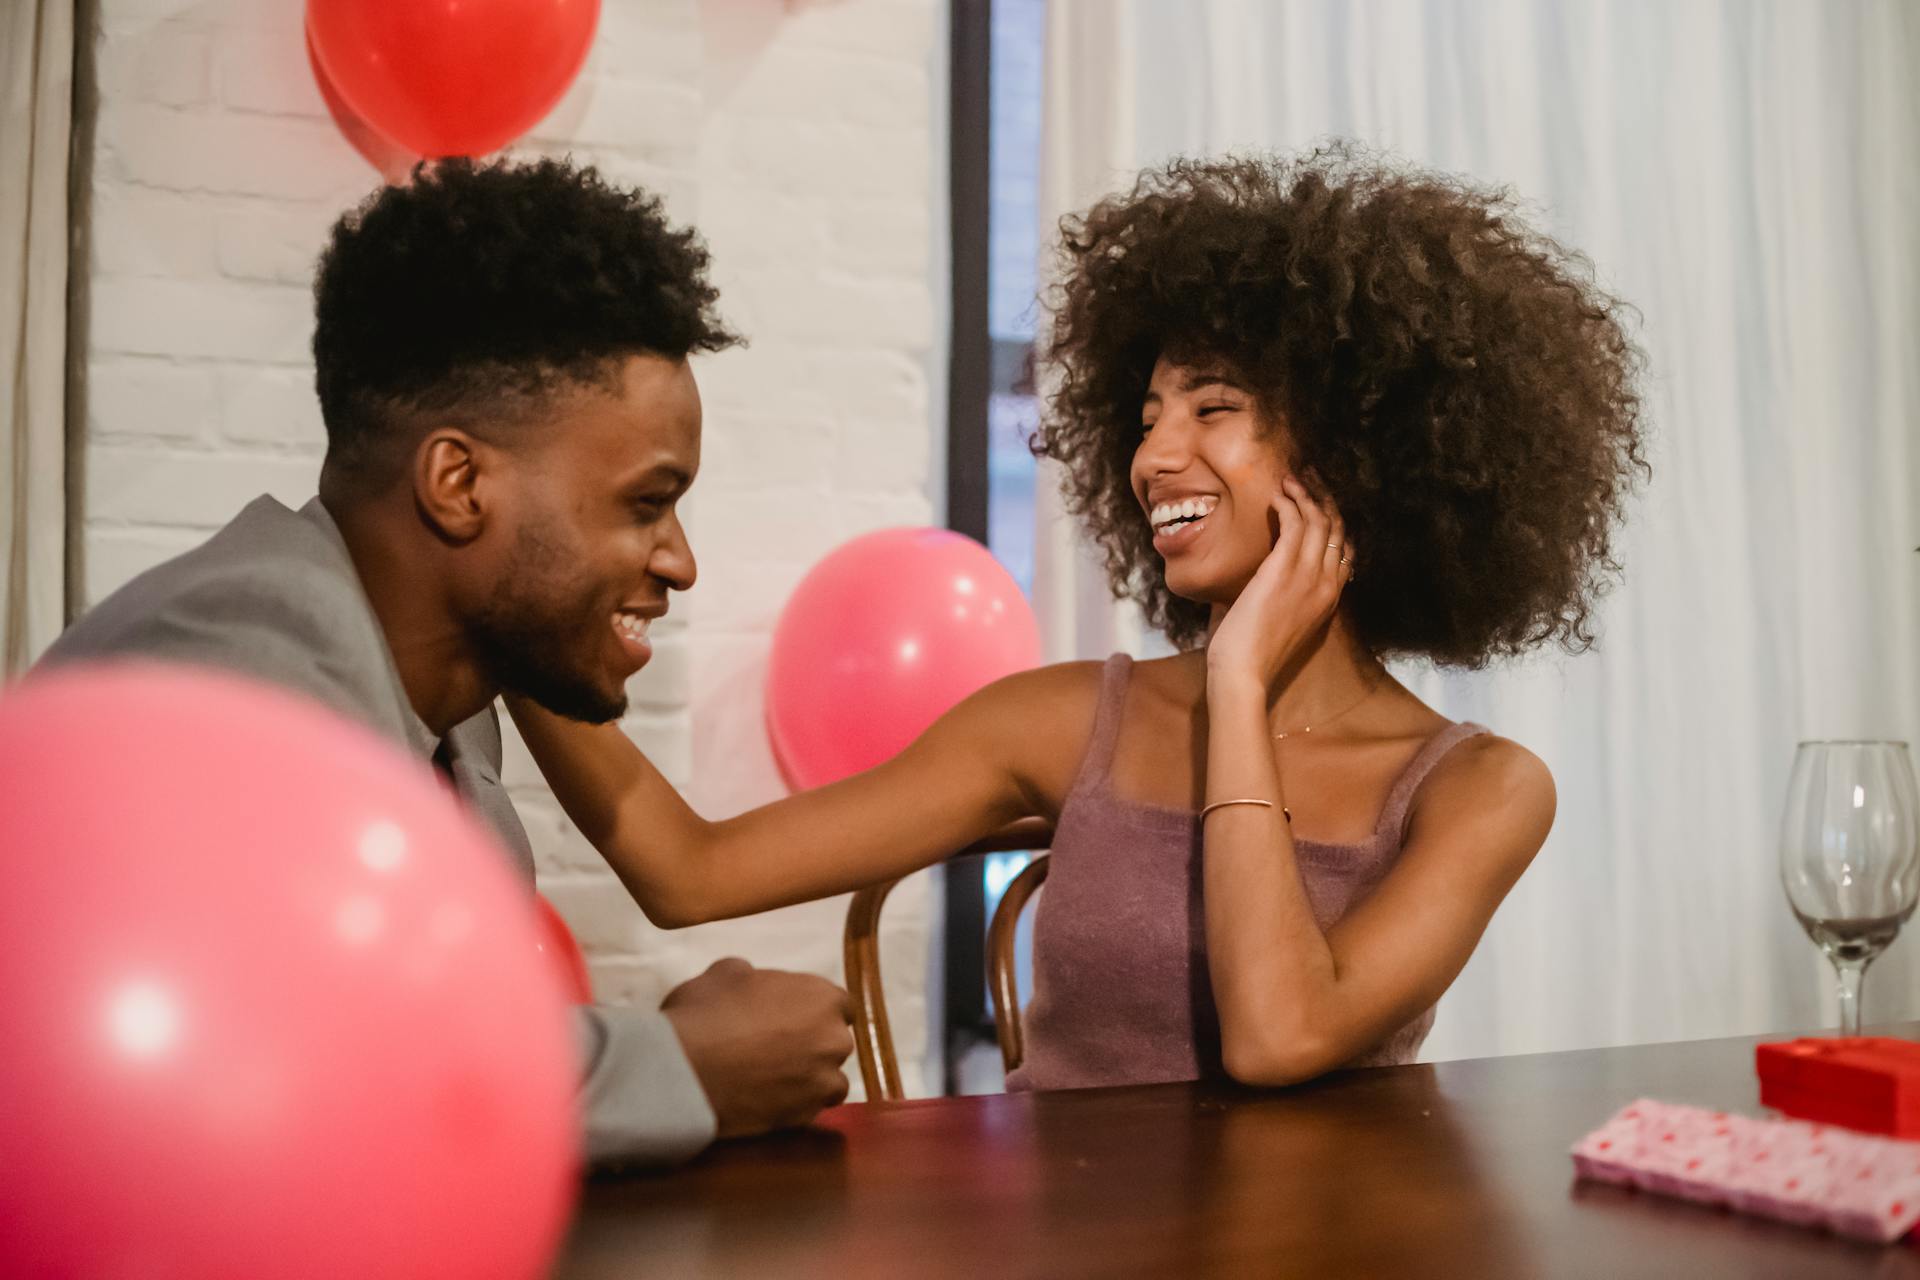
(1316, 414)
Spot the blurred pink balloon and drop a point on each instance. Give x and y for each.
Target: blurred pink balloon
(271, 1004)
(558, 946)
(883, 637)
(394, 161)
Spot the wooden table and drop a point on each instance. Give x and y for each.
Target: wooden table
(1458, 1169)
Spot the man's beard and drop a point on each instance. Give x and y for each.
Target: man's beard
(526, 633)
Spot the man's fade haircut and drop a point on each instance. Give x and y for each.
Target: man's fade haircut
(478, 286)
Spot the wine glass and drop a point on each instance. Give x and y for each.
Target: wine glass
(1850, 854)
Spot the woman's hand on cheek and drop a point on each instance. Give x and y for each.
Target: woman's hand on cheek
(1291, 594)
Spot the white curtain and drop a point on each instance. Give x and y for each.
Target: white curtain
(34, 131)
(1745, 173)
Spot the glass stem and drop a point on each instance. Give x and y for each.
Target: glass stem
(1851, 973)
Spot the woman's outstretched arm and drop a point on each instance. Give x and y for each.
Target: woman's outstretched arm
(1005, 753)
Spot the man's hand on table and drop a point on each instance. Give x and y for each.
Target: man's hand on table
(766, 1045)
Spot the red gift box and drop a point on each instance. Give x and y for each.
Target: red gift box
(1869, 1083)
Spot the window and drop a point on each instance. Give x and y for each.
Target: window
(996, 111)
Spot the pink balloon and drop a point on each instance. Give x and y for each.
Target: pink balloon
(269, 1005)
(883, 637)
(558, 946)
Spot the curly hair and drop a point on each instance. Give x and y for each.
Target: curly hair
(1458, 383)
(477, 286)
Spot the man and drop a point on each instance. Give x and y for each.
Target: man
(511, 422)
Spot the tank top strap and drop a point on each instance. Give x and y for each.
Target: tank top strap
(1106, 722)
(1399, 806)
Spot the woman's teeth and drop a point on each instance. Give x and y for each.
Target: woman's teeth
(1169, 515)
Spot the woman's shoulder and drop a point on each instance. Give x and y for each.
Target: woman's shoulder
(1493, 784)
(1040, 722)
(1483, 759)
(1044, 704)
(1069, 681)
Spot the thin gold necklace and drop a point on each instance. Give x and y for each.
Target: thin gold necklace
(1351, 706)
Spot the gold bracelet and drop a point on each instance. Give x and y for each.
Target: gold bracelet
(1221, 804)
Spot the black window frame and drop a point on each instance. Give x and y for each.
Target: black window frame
(970, 374)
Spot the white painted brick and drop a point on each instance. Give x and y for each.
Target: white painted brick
(863, 513)
(804, 156)
(879, 456)
(666, 178)
(279, 243)
(841, 310)
(115, 557)
(268, 72)
(666, 682)
(734, 768)
(743, 526)
(603, 918)
(227, 153)
(667, 740)
(788, 380)
(752, 451)
(741, 596)
(144, 17)
(738, 382)
(140, 231)
(144, 398)
(206, 318)
(749, 227)
(626, 980)
(643, 39)
(880, 29)
(270, 405)
(883, 237)
(189, 490)
(880, 383)
(863, 91)
(608, 106)
(172, 66)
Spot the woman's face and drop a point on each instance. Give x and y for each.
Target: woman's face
(1206, 471)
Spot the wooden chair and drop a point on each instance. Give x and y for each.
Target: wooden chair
(872, 1034)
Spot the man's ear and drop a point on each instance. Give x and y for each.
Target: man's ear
(450, 476)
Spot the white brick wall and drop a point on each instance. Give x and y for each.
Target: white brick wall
(799, 136)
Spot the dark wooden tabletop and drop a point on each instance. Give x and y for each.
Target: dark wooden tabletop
(1455, 1169)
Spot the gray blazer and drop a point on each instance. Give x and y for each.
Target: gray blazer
(275, 595)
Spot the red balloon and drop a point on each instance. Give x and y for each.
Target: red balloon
(451, 77)
(393, 161)
(883, 637)
(269, 1005)
(556, 943)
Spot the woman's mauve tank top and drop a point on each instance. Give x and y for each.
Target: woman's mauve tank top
(1120, 987)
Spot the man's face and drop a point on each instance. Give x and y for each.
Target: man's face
(590, 540)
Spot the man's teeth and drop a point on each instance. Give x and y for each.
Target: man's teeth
(1168, 513)
(632, 625)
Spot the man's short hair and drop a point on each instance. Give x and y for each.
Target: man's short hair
(479, 285)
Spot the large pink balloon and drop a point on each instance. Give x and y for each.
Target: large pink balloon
(271, 1005)
(880, 639)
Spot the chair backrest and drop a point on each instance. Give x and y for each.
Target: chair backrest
(872, 1033)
